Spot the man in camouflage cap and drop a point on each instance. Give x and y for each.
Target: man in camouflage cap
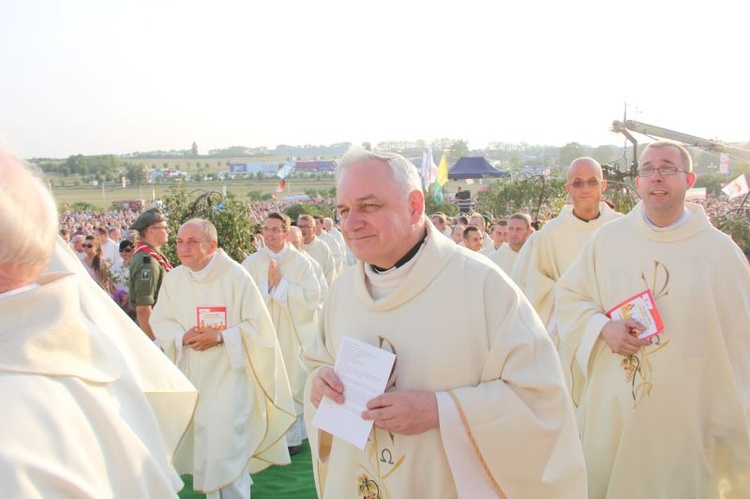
(148, 265)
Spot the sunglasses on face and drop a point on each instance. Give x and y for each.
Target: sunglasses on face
(127, 250)
(578, 183)
(87, 245)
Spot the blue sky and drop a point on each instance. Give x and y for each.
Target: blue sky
(96, 77)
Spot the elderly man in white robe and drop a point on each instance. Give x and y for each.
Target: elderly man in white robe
(292, 293)
(663, 402)
(88, 411)
(212, 322)
(540, 265)
(490, 418)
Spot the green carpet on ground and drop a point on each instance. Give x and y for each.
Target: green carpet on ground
(294, 481)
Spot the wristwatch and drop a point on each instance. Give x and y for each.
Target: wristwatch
(219, 338)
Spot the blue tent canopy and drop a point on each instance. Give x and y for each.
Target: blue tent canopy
(475, 167)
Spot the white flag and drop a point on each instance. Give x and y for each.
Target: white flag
(724, 163)
(429, 168)
(737, 187)
(285, 170)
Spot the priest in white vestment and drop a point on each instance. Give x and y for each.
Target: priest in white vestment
(664, 416)
(476, 405)
(212, 322)
(295, 239)
(292, 293)
(317, 248)
(519, 230)
(541, 263)
(81, 416)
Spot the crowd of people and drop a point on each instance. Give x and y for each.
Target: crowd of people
(604, 355)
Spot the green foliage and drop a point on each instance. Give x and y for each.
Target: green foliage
(713, 182)
(736, 224)
(136, 173)
(622, 194)
(255, 195)
(296, 210)
(569, 152)
(459, 148)
(527, 194)
(82, 207)
(431, 206)
(231, 218)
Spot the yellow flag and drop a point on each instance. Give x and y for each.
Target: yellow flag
(442, 174)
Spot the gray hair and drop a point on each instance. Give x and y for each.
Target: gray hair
(28, 220)
(208, 229)
(404, 172)
(687, 160)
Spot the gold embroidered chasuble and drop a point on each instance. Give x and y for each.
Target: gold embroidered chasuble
(495, 361)
(671, 421)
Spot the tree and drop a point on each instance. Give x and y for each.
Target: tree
(569, 152)
(603, 154)
(231, 218)
(136, 173)
(459, 149)
(194, 149)
(321, 210)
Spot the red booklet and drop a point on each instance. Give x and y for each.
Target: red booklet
(641, 308)
(215, 317)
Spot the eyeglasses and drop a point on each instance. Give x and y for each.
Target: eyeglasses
(303, 227)
(163, 227)
(274, 230)
(87, 245)
(578, 183)
(663, 171)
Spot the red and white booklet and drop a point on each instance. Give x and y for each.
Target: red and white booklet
(215, 317)
(641, 308)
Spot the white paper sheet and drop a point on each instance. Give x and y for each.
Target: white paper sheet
(364, 370)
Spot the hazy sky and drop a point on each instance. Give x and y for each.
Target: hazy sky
(107, 76)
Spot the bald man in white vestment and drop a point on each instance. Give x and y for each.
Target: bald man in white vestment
(212, 322)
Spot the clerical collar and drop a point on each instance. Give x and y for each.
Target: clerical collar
(585, 220)
(276, 256)
(200, 275)
(677, 223)
(408, 256)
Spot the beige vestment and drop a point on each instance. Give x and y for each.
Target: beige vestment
(320, 252)
(245, 405)
(504, 258)
(493, 363)
(293, 307)
(672, 421)
(75, 422)
(545, 257)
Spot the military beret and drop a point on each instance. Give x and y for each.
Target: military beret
(147, 219)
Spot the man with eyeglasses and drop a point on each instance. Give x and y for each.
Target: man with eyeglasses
(148, 266)
(666, 415)
(543, 261)
(316, 248)
(287, 281)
